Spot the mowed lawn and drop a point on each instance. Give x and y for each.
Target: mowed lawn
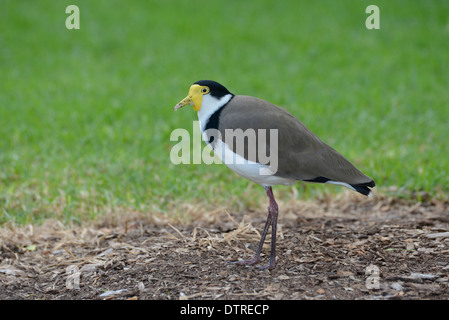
(86, 115)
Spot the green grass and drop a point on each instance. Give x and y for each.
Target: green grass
(86, 115)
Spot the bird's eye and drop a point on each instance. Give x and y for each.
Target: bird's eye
(205, 90)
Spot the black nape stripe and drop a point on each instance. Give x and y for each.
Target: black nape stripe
(214, 121)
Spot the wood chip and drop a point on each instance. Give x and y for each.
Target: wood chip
(438, 235)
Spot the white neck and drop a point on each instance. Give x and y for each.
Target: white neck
(209, 105)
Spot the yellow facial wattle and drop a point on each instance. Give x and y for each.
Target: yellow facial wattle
(195, 97)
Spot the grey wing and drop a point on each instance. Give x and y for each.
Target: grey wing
(301, 154)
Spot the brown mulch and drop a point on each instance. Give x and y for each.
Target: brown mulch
(347, 247)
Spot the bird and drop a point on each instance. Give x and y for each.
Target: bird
(295, 152)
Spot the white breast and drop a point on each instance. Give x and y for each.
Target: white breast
(250, 170)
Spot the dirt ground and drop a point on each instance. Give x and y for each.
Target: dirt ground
(348, 247)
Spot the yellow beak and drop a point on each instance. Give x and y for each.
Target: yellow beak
(194, 98)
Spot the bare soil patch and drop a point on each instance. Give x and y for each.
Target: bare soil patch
(347, 247)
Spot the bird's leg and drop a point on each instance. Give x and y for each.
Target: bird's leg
(256, 257)
(273, 212)
(271, 220)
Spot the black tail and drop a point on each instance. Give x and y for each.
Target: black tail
(364, 188)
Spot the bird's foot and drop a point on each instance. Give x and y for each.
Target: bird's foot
(246, 262)
(253, 261)
(269, 266)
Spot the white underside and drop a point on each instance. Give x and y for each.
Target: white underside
(256, 172)
(340, 184)
(250, 170)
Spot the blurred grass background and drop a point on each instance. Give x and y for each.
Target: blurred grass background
(86, 115)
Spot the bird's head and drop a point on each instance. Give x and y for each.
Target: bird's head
(203, 90)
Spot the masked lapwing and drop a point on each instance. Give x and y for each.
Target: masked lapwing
(269, 146)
